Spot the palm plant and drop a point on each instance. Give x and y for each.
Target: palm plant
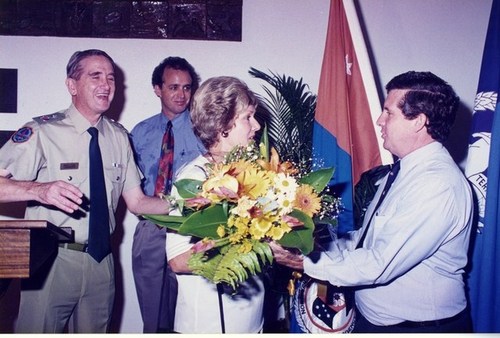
(289, 116)
(288, 112)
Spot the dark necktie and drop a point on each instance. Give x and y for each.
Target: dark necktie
(99, 243)
(164, 178)
(390, 179)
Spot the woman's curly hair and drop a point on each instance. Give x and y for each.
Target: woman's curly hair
(215, 106)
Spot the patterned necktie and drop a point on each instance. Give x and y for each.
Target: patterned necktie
(99, 243)
(390, 179)
(164, 178)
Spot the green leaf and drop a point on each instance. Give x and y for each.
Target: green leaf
(318, 179)
(302, 238)
(264, 144)
(188, 188)
(171, 222)
(204, 223)
(263, 250)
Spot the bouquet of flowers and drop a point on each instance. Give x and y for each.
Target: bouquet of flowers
(246, 201)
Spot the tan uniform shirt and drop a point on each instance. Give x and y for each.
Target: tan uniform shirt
(56, 147)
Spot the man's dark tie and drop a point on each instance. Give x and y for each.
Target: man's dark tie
(390, 179)
(164, 178)
(99, 243)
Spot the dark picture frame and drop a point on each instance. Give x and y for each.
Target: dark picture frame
(8, 90)
(4, 136)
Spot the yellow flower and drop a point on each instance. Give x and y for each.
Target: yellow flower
(240, 223)
(254, 182)
(221, 231)
(235, 238)
(307, 200)
(285, 227)
(239, 166)
(221, 185)
(245, 247)
(231, 221)
(275, 233)
(260, 226)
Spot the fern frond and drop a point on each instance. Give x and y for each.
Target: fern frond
(230, 265)
(203, 265)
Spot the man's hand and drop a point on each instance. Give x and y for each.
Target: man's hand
(60, 194)
(286, 257)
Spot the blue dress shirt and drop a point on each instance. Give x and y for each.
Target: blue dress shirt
(146, 139)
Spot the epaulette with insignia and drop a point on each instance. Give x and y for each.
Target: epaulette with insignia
(49, 118)
(118, 124)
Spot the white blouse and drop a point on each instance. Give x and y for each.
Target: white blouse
(197, 309)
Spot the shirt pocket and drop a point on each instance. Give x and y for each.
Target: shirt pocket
(115, 173)
(115, 178)
(378, 223)
(72, 173)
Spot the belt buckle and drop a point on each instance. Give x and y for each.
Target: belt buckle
(74, 246)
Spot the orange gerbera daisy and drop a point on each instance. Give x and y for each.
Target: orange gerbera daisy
(307, 201)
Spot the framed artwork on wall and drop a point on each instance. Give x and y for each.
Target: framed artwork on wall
(4, 136)
(167, 19)
(8, 90)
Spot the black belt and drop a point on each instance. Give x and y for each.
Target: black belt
(74, 246)
(438, 322)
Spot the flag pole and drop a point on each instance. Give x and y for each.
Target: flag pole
(372, 95)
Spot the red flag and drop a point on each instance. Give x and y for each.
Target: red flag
(348, 105)
(347, 96)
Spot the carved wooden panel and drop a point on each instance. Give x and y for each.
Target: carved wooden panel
(169, 19)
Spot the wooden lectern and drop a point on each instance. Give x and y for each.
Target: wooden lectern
(26, 245)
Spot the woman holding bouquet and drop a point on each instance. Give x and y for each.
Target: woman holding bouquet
(222, 112)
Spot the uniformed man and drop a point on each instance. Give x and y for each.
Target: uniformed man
(47, 163)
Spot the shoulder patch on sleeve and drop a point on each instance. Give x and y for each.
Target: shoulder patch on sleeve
(49, 118)
(22, 135)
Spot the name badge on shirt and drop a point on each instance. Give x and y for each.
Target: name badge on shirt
(69, 166)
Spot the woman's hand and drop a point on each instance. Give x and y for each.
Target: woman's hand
(179, 264)
(286, 257)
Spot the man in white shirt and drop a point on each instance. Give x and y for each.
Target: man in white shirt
(407, 260)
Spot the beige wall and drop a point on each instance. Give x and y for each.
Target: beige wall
(284, 36)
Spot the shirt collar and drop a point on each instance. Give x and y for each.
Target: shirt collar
(80, 122)
(420, 154)
(178, 120)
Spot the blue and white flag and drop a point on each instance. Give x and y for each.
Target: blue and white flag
(483, 171)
